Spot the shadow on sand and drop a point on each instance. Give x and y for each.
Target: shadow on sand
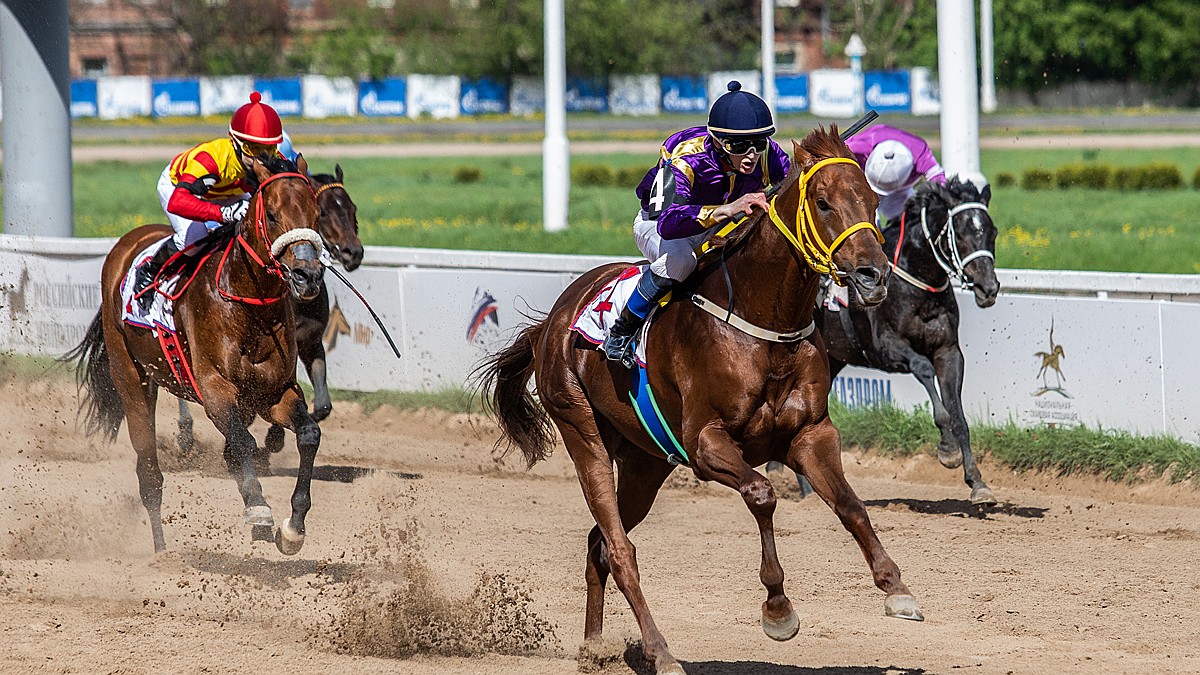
(960, 508)
(343, 474)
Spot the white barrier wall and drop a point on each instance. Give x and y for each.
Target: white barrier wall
(1123, 362)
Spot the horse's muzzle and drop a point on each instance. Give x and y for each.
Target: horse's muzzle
(351, 256)
(985, 285)
(870, 283)
(305, 282)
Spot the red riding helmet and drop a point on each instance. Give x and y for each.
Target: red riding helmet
(256, 122)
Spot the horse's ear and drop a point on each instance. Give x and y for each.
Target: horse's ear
(301, 164)
(337, 169)
(986, 195)
(801, 156)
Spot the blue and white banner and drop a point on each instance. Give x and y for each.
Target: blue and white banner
(383, 98)
(887, 91)
(434, 95)
(718, 82)
(832, 93)
(586, 94)
(84, 102)
(528, 95)
(223, 95)
(484, 96)
(329, 96)
(176, 97)
(684, 94)
(282, 94)
(634, 95)
(791, 93)
(123, 96)
(925, 99)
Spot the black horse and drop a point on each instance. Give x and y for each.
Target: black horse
(338, 226)
(944, 234)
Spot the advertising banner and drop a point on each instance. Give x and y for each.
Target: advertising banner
(685, 94)
(831, 93)
(84, 102)
(179, 97)
(634, 95)
(484, 96)
(434, 95)
(718, 83)
(925, 96)
(328, 96)
(528, 95)
(887, 91)
(282, 94)
(123, 96)
(48, 297)
(223, 95)
(383, 98)
(791, 93)
(586, 94)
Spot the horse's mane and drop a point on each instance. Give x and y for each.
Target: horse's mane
(274, 164)
(324, 178)
(955, 191)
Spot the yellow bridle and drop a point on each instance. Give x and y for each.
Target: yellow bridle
(806, 239)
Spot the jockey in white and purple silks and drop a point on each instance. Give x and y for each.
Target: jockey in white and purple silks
(705, 175)
(893, 161)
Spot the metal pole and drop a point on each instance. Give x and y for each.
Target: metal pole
(855, 49)
(35, 72)
(556, 153)
(959, 89)
(987, 77)
(768, 53)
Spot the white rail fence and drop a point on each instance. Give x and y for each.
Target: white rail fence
(1128, 341)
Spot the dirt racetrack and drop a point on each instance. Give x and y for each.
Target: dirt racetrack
(476, 566)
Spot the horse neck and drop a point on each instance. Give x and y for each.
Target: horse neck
(915, 254)
(243, 275)
(773, 287)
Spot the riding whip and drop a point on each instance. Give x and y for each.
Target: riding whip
(375, 316)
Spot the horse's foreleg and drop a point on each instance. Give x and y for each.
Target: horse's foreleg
(185, 439)
(292, 412)
(950, 367)
(949, 449)
(638, 480)
(817, 453)
(312, 355)
(719, 459)
(139, 394)
(220, 404)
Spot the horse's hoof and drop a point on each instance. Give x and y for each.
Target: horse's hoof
(321, 412)
(982, 496)
(258, 515)
(781, 631)
(903, 607)
(951, 459)
(288, 540)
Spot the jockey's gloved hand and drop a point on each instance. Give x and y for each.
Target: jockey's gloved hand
(233, 213)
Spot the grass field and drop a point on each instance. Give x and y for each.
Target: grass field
(417, 202)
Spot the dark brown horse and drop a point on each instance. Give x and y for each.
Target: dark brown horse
(944, 235)
(338, 226)
(236, 330)
(734, 401)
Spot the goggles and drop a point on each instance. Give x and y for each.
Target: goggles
(742, 146)
(256, 149)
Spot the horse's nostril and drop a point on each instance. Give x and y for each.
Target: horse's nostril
(868, 275)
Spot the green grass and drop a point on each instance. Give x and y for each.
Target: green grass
(418, 202)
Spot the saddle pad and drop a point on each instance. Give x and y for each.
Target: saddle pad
(161, 313)
(598, 316)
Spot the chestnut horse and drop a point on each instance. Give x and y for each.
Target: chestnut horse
(236, 329)
(338, 226)
(945, 234)
(733, 400)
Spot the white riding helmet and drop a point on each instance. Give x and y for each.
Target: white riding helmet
(888, 167)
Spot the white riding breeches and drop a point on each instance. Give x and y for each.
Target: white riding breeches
(187, 231)
(673, 258)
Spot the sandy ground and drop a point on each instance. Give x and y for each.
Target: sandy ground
(476, 566)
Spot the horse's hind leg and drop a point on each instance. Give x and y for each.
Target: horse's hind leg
(639, 477)
(185, 439)
(292, 412)
(719, 458)
(949, 451)
(139, 394)
(220, 404)
(949, 366)
(817, 452)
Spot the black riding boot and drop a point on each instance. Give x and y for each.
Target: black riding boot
(147, 272)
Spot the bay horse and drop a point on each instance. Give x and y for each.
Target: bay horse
(338, 227)
(733, 400)
(945, 234)
(238, 333)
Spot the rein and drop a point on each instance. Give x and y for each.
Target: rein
(954, 264)
(274, 248)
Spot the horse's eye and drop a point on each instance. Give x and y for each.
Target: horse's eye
(822, 204)
(271, 218)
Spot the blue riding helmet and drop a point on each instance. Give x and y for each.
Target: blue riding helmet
(740, 114)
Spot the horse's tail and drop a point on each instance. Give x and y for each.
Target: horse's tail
(503, 382)
(104, 408)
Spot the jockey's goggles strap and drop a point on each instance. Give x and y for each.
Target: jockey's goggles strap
(806, 239)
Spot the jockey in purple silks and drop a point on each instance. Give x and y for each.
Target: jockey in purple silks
(704, 176)
(893, 161)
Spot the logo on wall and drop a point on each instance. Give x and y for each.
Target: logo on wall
(483, 312)
(338, 325)
(1052, 367)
